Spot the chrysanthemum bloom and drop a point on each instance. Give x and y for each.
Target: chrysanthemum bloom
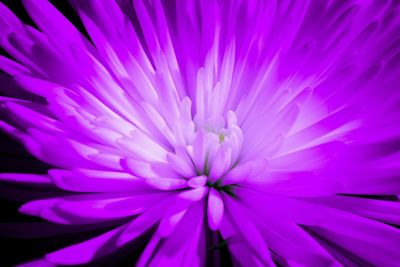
(262, 122)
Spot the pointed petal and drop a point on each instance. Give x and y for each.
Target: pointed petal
(215, 209)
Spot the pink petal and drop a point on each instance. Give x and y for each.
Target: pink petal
(215, 209)
(86, 180)
(198, 181)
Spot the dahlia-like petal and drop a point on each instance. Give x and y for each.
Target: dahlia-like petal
(221, 163)
(385, 186)
(148, 251)
(86, 251)
(386, 211)
(248, 230)
(215, 209)
(310, 157)
(173, 216)
(86, 180)
(148, 150)
(180, 165)
(26, 116)
(144, 222)
(183, 246)
(43, 208)
(198, 181)
(89, 208)
(240, 251)
(199, 149)
(292, 184)
(47, 147)
(371, 252)
(9, 19)
(167, 183)
(107, 208)
(159, 122)
(107, 160)
(38, 86)
(245, 171)
(317, 130)
(360, 226)
(294, 244)
(53, 23)
(195, 194)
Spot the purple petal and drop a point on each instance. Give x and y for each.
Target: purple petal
(83, 252)
(215, 209)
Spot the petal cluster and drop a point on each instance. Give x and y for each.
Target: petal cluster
(270, 127)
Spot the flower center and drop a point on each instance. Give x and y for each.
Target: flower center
(205, 147)
(216, 147)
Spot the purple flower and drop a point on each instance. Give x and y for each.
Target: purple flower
(273, 125)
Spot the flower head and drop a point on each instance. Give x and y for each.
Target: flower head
(260, 121)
